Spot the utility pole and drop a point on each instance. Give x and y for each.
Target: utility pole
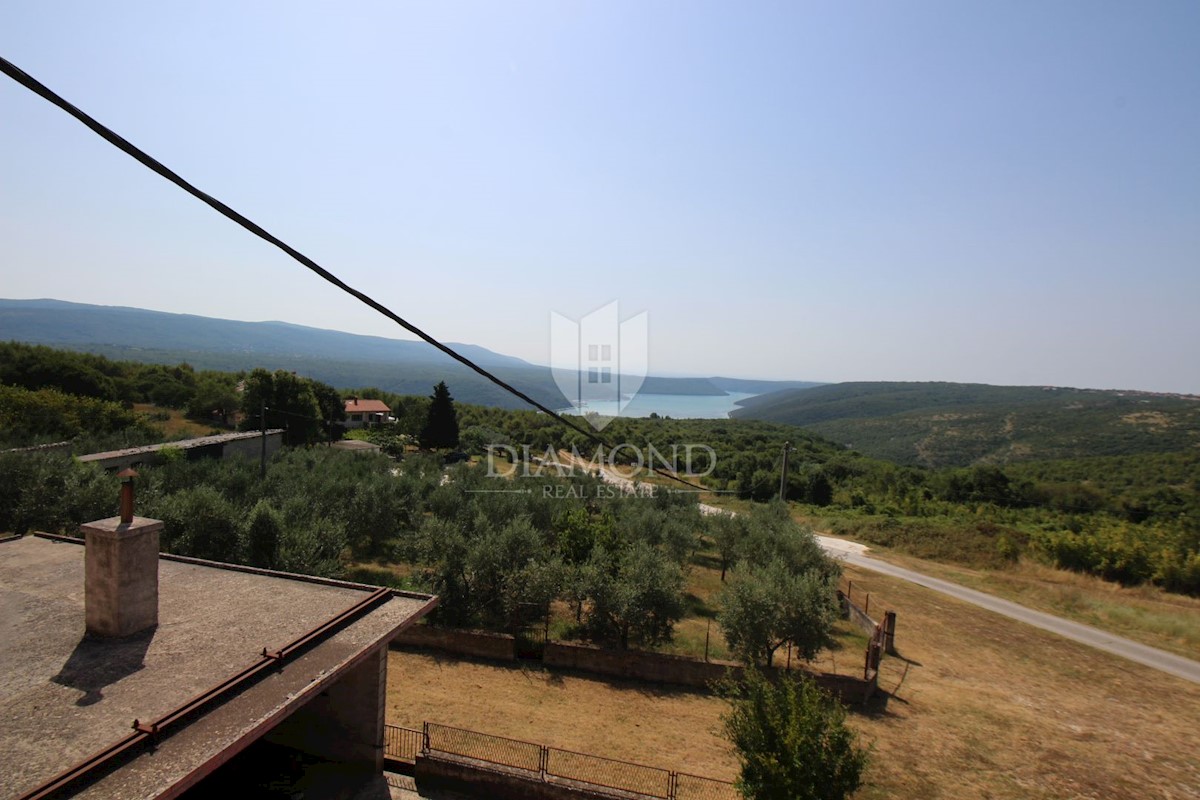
(262, 426)
(787, 446)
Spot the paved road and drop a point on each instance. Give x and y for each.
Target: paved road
(855, 553)
(1110, 643)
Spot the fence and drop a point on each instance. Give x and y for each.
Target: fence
(484, 747)
(403, 744)
(882, 633)
(554, 764)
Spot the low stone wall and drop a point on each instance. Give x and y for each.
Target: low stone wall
(631, 664)
(856, 614)
(682, 671)
(477, 644)
(483, 780)
(636, 664)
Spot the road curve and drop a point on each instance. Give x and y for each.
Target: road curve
(1170, 663)
(855, 553)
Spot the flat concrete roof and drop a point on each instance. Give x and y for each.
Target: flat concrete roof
(182, 444)
(355, 445)
(64, 696)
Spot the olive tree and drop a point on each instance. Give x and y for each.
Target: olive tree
(792, 740)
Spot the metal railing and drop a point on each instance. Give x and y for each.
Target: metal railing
(693, 787)
(484, 747)
(550, 763)
(403, 744)
(615, 774)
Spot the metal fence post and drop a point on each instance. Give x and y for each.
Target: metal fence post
(672, 785)
(544, 761)
(425, 737)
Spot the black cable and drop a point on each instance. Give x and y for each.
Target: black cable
(23, 78)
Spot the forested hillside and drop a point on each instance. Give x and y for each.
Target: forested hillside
(1130, 518)
(956, 424)
(340, 359)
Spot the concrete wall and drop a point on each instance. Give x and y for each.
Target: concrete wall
(636, 665)
(680, 670)
(345, 722)
(631, 664)
(856, 614)
(252, 448)
(477, 644)
(443, 774)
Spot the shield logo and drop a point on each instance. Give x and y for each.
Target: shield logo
(599, 362)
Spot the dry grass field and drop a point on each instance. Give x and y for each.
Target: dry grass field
(177, 425)
(1144, 613)
(978, 706)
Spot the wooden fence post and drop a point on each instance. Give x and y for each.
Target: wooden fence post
(889, 632)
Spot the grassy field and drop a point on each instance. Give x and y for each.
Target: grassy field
(1143, 613)
(977, 706)
(176, 426)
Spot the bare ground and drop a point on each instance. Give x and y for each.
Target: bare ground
(977, 706)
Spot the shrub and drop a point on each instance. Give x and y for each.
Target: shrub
(792, 740)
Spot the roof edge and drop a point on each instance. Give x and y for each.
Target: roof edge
(270, 573)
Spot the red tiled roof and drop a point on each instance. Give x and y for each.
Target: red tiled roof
(367, 406)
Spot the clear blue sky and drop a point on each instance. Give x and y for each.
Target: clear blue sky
(1003, 192)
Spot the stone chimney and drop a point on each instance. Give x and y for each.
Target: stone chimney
(121, 569)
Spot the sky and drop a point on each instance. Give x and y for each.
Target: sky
(994, 192)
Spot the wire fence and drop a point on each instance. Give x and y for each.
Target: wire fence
(550, 763)
(693, 787)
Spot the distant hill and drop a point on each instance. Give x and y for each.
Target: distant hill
(343, 360)
(752, 386)
(957, 424)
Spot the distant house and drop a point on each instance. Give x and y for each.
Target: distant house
(361, 413)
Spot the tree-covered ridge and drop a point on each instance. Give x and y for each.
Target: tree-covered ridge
(1132, 518)
(340, 359)
(51, 395)
(953, 424)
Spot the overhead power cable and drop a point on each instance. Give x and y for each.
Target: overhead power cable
(40, 89)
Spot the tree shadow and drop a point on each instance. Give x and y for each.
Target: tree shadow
(96, 663)
(698, 607)
(878, 707)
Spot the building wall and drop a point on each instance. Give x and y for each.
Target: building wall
(345, 722)
(249, 447)
(253, 447)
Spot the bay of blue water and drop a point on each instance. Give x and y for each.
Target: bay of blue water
(679, 406)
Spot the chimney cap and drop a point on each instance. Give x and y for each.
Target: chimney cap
(128, 472)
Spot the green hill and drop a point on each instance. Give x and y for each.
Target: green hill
(341, 359)
(958, 424)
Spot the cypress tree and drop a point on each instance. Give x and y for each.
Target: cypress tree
(441, 426)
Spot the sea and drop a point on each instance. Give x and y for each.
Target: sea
(678, 406)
